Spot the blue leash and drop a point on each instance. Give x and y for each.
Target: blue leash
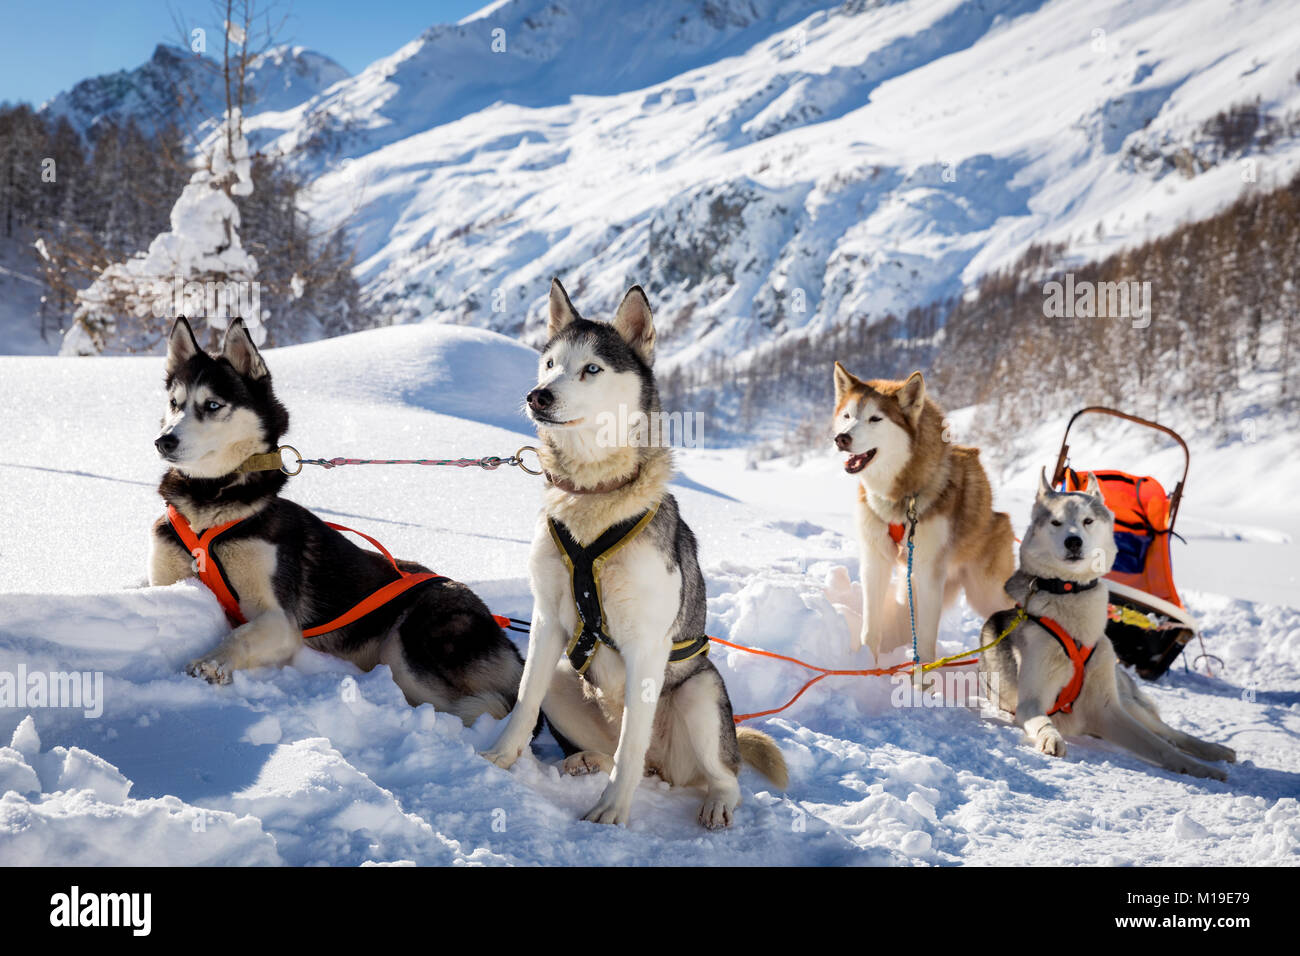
(917, 671)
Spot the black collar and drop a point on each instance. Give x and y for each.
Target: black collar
(1060, 586)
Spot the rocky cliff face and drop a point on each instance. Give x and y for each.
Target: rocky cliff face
(176, 86)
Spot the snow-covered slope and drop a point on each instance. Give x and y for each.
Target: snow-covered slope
(179, 87)
(767, 166)
(318, 763)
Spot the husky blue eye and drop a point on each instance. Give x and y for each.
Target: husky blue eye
(592, 369)
(550, 363)
(213, 405)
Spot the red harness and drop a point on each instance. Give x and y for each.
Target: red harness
(210, 573)
(1078, 657)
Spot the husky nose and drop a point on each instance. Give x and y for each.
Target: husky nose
(1074, 543)
(540, 399)
(843, 441)
(166, 443)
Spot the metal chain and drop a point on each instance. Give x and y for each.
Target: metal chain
(488, 463)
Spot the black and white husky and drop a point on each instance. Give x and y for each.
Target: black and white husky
(625, 682)
(289, 571)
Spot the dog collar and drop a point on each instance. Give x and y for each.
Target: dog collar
(605, 486)
(1061, 586)
(270, 461)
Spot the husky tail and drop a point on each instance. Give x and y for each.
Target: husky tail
(761, 752)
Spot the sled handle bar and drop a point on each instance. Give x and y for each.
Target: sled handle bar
(1058, 475)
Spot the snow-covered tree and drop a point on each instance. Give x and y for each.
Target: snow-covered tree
(198, 268)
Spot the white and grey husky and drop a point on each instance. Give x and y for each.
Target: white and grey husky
(617, 658)
(1056, 670)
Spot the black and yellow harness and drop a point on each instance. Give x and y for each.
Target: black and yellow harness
(584, 566)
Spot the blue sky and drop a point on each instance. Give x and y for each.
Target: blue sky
(48, 45)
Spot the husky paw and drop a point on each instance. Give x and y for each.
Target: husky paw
(503, 757)
(1226, 754)
(214, 670)
(1195, 768)
(587, 761)
(1050, 742)
(715, 814)
(610, 809)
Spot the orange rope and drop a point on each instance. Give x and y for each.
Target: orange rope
(823, 672)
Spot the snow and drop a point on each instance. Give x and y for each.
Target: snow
(278, 79)
(318, 763)
(197, 268)
(889, 154)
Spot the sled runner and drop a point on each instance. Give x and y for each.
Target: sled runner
(1148, 624)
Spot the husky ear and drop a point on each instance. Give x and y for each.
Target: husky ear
(911, 397)
(1044, 486)
(562, 311)
(1094, 487)
(181, 345)
(844, 380)
(634, 323)
(240, 352)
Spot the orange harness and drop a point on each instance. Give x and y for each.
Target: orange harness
(1077, 653)
(1078, 657)
(209, 571)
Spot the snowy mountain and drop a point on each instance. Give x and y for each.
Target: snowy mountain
(180, 87)
(317, 763)
(763, 167)
(766, 167)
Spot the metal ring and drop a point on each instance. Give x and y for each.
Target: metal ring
(296, 457)
(520, 455)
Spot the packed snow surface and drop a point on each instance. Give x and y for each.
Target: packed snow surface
(318, 763)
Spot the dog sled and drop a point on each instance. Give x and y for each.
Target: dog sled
(1148, 625)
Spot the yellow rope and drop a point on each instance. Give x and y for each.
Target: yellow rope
(1128, 615)
(1019, 619)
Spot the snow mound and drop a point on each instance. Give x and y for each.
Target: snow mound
(437, 368)
(77, 812)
